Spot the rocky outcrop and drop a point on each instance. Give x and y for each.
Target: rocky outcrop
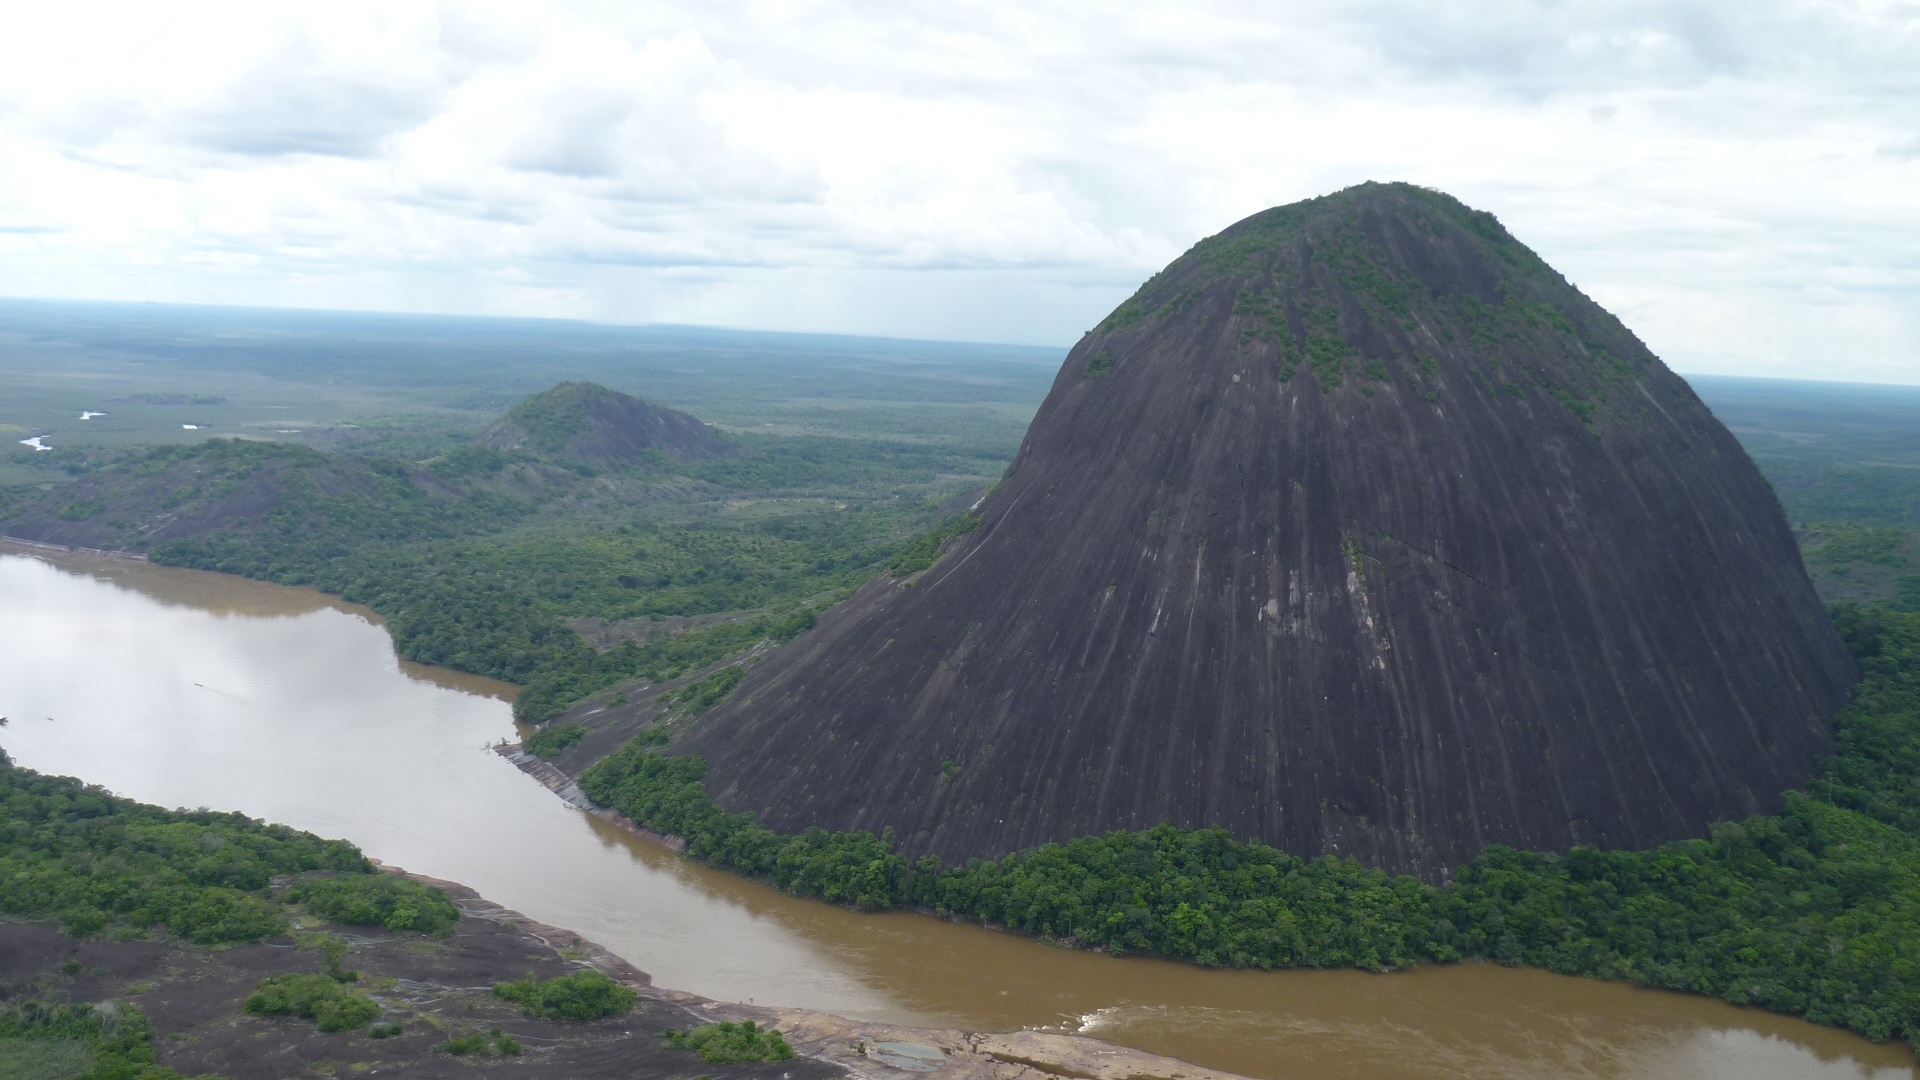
(1357, 530)
(588, 424)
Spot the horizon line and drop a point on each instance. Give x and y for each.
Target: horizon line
(716, 328)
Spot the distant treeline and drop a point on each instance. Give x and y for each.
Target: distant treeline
(1814, 911)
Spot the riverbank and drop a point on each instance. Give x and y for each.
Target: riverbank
(305, 718)
(436, 990)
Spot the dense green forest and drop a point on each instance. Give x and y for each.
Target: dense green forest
(97, 863)
(1814, 911)
(500, 609)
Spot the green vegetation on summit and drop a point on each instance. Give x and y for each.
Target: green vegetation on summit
(586, 424)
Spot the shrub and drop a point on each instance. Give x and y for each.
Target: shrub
(727, 1043)
(320, 998)
(925, 549)
(578, 995)
(379, 900)
(702, 694)
(554, 741)
(472, 1042)
(108, 1042)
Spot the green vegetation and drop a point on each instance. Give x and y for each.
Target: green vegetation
(585, 994)
(554, 416)
(1811, 912)
(498, 609)
(479, 557)
(378, 900)
(332, 949)
(554, 741)
(1869, 563)
(702, 694)
(474, 1043)
(99, 863)
(925, 549)
(667, 794)
(1833, 452)
(320, 998)
(728, 1043)
(102, 864)
(78, 1042)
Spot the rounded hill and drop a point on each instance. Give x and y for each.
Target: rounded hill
(1357, 530)
(588, 424)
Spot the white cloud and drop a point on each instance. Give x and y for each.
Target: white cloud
(1735, 179)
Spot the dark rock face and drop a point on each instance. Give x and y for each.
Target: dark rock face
(1357, 530)
(590, 424)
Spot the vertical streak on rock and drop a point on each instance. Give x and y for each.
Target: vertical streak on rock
(1411, 548)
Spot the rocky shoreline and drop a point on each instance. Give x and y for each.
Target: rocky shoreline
(437, 989)
(863, 1049)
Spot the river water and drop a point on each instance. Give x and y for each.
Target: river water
(193, 689)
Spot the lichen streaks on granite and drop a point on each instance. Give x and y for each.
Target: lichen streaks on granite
(1359, 531)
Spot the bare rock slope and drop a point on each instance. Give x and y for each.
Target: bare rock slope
(1357, 530)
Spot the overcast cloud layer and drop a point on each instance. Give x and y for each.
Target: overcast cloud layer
(1740, 181)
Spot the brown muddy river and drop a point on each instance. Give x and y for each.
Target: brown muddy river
(193, 689)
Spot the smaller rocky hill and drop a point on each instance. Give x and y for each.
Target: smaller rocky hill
(586, 423)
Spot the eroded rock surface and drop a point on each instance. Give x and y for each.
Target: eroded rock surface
(1357, 530)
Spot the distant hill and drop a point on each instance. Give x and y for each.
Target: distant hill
(1357, 530)
(586, 423)
(328, 504)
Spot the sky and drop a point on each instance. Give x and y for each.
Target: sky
(1738, 180)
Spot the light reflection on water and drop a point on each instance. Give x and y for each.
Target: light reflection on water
(185, 688)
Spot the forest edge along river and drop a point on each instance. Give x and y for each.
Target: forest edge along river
(188, 688)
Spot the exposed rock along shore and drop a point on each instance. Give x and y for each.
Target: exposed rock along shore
(863, 1049)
